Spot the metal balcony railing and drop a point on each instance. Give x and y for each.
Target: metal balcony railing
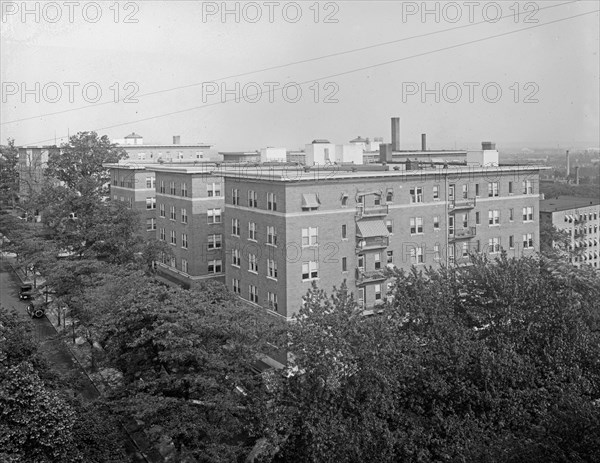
(363, 277)
(372, 211)
(462, 203)
(463, 233)
(372, 243)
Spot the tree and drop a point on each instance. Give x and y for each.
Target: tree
(185, 357)
(79, 163)
(9, 173)
(491, 362)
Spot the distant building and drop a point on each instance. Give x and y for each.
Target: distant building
(240, 156)
(579, 217)
(32, 162)
(322, 152)
(137, 150)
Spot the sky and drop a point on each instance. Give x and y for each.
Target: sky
(246, 75)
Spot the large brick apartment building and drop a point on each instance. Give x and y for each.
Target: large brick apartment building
(285, 229)
(580, 219)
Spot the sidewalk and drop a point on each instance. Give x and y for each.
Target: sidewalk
(40, 281)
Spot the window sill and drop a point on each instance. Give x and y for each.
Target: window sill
(271, 278)
(310, 279)
(254, 272)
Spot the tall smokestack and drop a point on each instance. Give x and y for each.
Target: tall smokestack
(176, 139)
(568, 165)
(423, 142)
(396, 133)
(577, 175)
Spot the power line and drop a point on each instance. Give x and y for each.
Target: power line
(352, 71)
(280, 66)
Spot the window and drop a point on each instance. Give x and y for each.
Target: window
(272, 300)
(361, 261)
(451, 192)
(213, 189)
(172, 213)
(527, 214)
(477, 189)
(184, 265)
(252, 264)
(465, 191)
(235, 196)
(129, 203)
(416, 225)
(272, 268)
(184, 241)
(310, 236)
(510, 188)
(436, 252)
(215, 241)
(310, 202)
(173, 262)
(162, 186)
(377, 292)
(235, 285)
(361, 296)
(344, 200)
(377, 200)
(115, 197)
(150, 182)
(416, 255)
(310, 270)
(215, 266)
(436, 223)
(494, 217)
(271, 201)
(150, 224)
(511, 214)
(465, 249)
(235, 227)
(252, 198)
(271, 236)
(494, 245)
(528, 241)
(161, 209)
(416, 195)
(184, 217)
(493, 189)
(253, 292)
(377, 257)
(172, 188)
(252, 231)
(214, 215)
(344, 264)
(344, 231)
(236, 258)
(436, 192)
(389, 197)
(511, 242)
(184, 190)
(527, 187)
(390, 258)
(451, 225)
(173, 237)
(477, 218)
(465, 220)
(163, 235)
(389, 225)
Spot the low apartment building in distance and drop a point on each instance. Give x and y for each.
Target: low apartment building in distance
(287, 228)
(137, 150)
(580, 218)
(189, 216)
(32, 162)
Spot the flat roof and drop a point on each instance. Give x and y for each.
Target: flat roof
(148, 146)
(564, 203)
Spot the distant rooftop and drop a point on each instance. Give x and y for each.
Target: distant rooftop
(564, 203)
(133, 135)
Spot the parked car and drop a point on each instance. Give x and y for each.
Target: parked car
(26, 291)
(36, 308)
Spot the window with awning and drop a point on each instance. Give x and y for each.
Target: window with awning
(310, 201)
(371, 228)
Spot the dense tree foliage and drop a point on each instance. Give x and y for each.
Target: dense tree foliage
(78, 163)
(9, 173)
(491, 362)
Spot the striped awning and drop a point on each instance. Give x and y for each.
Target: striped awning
(371, 228)
(310, 201)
